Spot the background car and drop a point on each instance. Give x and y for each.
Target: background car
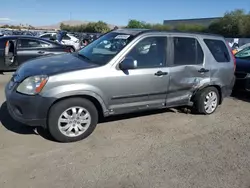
(242, 72)
(15, 50)
(241, 48)
(244, 54)
(69, 40)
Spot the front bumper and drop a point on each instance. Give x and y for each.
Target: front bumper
(29, 110)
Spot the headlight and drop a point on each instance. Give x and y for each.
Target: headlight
(32, 85)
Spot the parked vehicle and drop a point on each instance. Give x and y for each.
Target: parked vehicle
(242, 72)
(244, 53)
(15, 50)
(70, 41)
(138, 70)
(236, 50)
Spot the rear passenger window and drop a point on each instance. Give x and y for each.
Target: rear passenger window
(187, 51)
(218, 49)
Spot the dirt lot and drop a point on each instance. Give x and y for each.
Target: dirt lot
(158, 149)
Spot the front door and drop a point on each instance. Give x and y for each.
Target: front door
(10, 60)
(28, 49)
(188, 69)
(146, 86)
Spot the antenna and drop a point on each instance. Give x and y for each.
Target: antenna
(70, 16)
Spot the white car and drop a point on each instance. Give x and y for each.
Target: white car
(69, 40)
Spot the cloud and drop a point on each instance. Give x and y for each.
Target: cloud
(5, 20)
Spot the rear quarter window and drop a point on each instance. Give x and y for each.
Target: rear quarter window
(218, 50)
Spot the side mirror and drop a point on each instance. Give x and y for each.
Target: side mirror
(128, 63)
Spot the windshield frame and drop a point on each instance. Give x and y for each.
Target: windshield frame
(88, 50)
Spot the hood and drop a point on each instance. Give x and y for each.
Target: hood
(242, 65)
(53, 65)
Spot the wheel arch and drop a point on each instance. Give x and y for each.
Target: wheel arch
(96, 100)
(218, 87)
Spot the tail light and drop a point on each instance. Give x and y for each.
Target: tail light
(232, 56)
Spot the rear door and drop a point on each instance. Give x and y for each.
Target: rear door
(222, 69)
(188, 68)
(31, 48)
(8, 54)
(2, 53)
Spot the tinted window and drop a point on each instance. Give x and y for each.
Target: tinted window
(29, 43)
(187, 51)
(66, 37)
(218, 49)
(47, 36)
(149, 52)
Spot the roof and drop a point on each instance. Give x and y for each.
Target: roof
(18, 36)
(130, 31)
(26, 37)
(142, 31)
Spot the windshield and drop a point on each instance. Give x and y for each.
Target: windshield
(243, 53)
(103, 49)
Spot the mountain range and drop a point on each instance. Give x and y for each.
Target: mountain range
(57, 25)
(68, 22)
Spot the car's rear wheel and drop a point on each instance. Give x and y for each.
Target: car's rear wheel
(72, 119)
(207, 100)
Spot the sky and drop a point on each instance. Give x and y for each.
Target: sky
(117, 12)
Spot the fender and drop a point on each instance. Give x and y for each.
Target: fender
(62, 95)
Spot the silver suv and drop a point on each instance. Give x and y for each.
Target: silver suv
(125, 70)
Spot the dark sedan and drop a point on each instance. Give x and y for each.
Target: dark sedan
(15, 50)
(242, 72)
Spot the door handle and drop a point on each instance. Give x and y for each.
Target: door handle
(202, 70)
(41, 52)
(160, 73)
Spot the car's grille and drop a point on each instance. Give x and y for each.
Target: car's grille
(240, 75)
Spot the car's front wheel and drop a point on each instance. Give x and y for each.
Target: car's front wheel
(72, 119)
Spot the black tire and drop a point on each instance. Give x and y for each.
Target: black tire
(71, 49)
(58, 108)
(200, 97)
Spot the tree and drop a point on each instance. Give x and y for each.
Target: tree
(97, 27)
(190, 27)
(232, 24)
(137, 24)
(91, 27)
(160, 27)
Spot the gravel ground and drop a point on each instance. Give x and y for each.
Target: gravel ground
(155, 149)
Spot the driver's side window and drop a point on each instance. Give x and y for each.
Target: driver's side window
(150, 52)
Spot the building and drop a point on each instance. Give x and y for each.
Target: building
(199, 21)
